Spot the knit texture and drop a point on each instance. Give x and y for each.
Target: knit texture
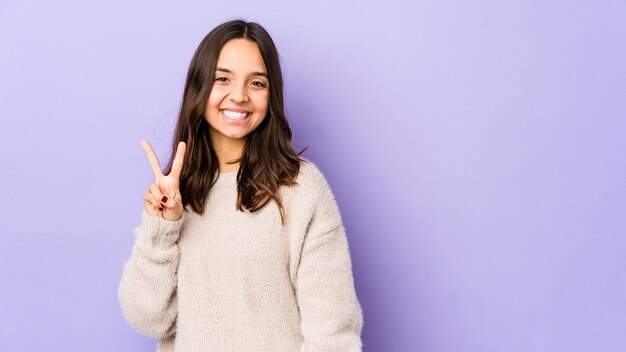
(229, 280)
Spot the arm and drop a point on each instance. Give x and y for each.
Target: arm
(331, 316)
(147, 291)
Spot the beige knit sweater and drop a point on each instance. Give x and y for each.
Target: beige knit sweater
(228, 280)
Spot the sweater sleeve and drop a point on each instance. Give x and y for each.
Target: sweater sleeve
(331, 316)
(147, 291)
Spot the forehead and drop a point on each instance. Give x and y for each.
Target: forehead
(242, 56)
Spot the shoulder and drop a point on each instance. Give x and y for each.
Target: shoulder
(309, 204)
(312, 188)
(310, 175)
(310, 184)
(311, 179)
(314, 194)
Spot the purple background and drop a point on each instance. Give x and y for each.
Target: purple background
(476, 149)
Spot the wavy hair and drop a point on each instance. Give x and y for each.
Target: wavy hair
(268, 159)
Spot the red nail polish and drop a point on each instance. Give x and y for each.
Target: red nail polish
(160, 208)
(164, 199)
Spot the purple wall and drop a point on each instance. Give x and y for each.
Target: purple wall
(477, 152)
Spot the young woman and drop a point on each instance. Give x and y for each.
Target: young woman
(241, 246)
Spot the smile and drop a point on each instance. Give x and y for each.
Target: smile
(235, 115)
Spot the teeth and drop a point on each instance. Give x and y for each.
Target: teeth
(235, 115)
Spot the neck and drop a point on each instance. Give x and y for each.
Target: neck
(227, 150)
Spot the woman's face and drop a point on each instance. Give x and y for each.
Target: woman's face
(240, 95)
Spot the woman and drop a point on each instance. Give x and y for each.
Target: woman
(241, 246)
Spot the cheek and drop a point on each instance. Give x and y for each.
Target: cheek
(215, 98)
(262, 102)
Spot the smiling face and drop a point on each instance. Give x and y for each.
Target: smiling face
(239, 98)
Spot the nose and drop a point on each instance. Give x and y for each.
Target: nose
(239, 93)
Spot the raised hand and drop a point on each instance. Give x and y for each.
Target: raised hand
(163, 196)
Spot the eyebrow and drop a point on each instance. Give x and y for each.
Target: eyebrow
(255, 73)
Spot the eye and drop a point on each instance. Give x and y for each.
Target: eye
(221, 79)
(259, 84)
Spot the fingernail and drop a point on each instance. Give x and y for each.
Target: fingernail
(164, 199)
(160, 208)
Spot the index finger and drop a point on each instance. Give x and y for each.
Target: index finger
(177, 164)
(154, 162)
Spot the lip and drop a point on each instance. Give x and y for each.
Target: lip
(235, 110)
(235, 122)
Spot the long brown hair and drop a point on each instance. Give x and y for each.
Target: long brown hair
(268, 159)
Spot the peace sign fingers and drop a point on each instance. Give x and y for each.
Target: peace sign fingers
(154, 162)
(177, 164)
(163, 197)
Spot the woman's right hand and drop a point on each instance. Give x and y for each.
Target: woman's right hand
(163, 197)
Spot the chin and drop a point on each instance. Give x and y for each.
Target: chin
(236, 135)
